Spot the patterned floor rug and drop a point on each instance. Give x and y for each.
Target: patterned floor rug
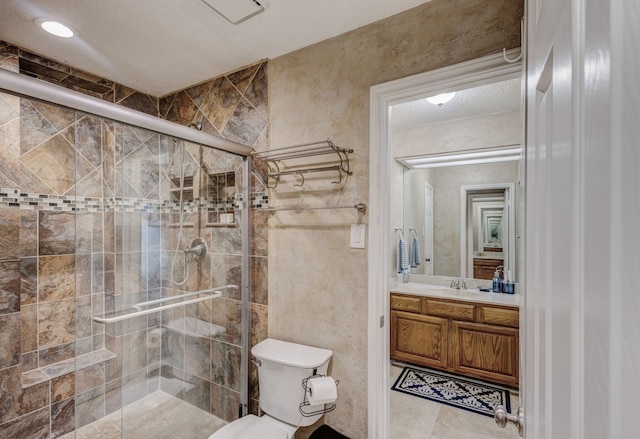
(453, 391)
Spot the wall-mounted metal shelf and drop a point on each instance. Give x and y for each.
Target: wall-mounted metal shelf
(289, 161)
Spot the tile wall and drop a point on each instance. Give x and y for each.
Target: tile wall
(83, 233)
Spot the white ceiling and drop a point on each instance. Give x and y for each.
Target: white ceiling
(160, 46)
(492, 98)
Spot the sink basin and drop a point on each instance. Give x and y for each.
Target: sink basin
(461, 293)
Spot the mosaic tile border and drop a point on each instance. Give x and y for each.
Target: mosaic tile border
(67, 203)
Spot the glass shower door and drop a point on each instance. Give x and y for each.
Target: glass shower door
(166, 270)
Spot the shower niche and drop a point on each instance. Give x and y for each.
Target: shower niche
(221, 193)
(219, 190)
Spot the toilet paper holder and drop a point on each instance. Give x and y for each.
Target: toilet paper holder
(306, 403)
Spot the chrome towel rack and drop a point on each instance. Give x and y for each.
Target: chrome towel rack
(287, 161)
(211, 293)
(360, 207)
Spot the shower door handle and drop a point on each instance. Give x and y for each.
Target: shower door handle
(502, 418)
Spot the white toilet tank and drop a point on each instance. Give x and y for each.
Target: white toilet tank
(282, 368)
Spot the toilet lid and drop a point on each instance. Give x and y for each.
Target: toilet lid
(251, 427)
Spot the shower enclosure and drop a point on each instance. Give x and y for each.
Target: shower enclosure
(124, 278)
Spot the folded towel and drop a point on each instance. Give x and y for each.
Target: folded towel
(414, 258)
(403, 258)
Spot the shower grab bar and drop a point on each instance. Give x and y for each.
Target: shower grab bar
(152, 310)
(214, 293)
(139, 306)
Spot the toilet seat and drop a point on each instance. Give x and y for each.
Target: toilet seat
(251, 427)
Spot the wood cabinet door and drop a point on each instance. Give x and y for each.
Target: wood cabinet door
(419, 339)
(485, 351)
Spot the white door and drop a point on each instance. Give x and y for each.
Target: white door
(428, 229)
(551, 364)
(580, 318)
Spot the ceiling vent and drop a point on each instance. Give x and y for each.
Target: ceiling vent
(235, 11)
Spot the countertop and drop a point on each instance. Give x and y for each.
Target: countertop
(439, 291)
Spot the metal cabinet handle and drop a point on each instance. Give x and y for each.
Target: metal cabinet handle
(502, 418)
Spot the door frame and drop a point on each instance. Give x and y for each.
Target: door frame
(428, 188)
(380, 257)
(466, 239)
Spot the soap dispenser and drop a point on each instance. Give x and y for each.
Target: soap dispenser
(497, 281)
(508, 286)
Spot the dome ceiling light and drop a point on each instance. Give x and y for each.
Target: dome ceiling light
(441, 99)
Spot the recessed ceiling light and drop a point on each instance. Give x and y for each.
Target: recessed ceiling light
(56, 28)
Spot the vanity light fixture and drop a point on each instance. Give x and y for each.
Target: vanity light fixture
(55, 27)
(441, 99)
(505, 154)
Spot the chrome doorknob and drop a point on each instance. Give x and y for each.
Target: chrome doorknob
(502, 418)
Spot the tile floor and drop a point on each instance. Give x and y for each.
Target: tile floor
(413, 417)
(156, 416)
(162, 416)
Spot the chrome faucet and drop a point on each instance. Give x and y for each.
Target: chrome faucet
(458, 284)
(198, 250)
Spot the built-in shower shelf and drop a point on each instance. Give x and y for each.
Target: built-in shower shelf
(55, 370)
(177, 225)
(221, 225)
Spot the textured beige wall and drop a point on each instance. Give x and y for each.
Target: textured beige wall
(317, 284)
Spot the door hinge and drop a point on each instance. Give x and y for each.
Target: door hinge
(382, 321)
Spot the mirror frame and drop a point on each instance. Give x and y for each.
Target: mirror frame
(380, 234)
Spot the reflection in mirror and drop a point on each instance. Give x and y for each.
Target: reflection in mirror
(461, 165)
(486, 220)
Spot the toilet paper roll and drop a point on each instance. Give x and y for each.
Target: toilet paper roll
(322, 390)
(154, 337)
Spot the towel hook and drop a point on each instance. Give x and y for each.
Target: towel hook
(301, 176)
(399, 229)
(510, 60)
(519, 57)
(414, 232)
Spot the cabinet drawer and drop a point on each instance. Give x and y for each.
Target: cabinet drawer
(458, 311)
(500, 316)
(404, 303)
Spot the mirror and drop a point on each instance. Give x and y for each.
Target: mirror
(461, 166)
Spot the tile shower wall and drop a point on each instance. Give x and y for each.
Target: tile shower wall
(233, 106)
(63, 249)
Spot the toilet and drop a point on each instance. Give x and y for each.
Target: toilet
(281, 368)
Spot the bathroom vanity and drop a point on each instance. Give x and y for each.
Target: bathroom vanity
(466, 332)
